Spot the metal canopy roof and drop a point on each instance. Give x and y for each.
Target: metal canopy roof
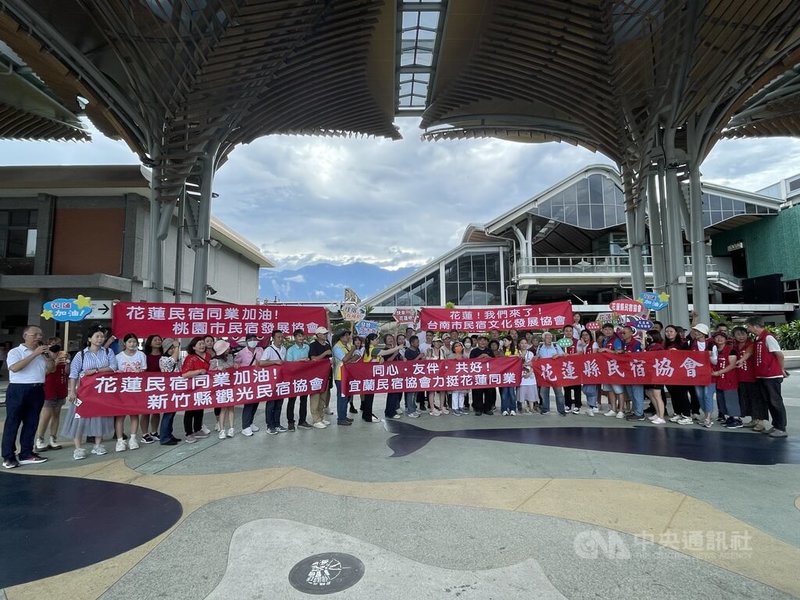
(608, 75)
(177, 79)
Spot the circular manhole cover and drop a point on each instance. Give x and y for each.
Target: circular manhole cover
(326, 573)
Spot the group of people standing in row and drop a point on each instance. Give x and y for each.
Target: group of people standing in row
(747, 362)
(747, 369)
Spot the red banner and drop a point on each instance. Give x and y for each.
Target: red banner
(218, 320)
(674, 367)
(424, 375)
(116, 394)
(534, 316)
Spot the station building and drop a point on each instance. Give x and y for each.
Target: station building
(84, 230)
(569, 242)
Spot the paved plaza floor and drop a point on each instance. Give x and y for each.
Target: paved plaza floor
(437, 507)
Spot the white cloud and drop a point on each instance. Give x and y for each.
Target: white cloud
(295, 279)
(396, 204)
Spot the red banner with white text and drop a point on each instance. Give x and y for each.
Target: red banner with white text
(116, 394)
(533, 316)
(424, 375)
(673, 367)
(218, 320)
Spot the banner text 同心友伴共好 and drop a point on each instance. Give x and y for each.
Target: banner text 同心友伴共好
(422, 375)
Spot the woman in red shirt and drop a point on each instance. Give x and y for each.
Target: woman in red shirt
(727, 381)
(55, 393)
(196, 363)
(149, 424)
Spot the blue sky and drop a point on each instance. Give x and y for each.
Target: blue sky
(306, 200)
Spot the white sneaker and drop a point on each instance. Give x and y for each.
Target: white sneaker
(99, 449)
(576, 410)
(652, 418)
(590, 412)
(205, 430)
(658, 421)
(247, 431)
(317, 425)
(611, 413)
(685, 421)
(79, 453)
(221, 434)
(254, 428)
(512, 413)
(674, 418)
(326, 422)
(216, 427)
(620, 415)
(505, 413)
(121, 446)
(230, 432)
(41, 446)
(133, 443)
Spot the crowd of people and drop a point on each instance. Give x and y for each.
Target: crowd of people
(747, 363)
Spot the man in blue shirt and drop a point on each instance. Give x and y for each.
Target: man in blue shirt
(297, 352)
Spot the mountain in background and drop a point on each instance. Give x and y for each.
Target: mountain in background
(325, 283)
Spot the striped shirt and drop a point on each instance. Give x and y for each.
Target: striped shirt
(86, 360)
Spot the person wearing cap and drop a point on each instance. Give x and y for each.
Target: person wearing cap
(705, 393)
(223, 359)
(770, 371)
(249, 356)
(274, 354)
(169, 362)
(726, 381)
(320, 349)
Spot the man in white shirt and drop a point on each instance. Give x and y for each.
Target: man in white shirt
(274, 354)
(28, 364)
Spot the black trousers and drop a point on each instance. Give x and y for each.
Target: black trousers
(192, 421)
(679, 394)
(482, 399)
(572, 395)
(303, 409)
(366, 406)
(771, 388)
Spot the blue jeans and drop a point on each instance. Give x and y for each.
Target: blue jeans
(23, 404)
(591, 392)
(545, 391)
(705, 396)
(636, 394)
(165, 430)
(393, 403)
(341, 402)
(411, 402)
(508, 399)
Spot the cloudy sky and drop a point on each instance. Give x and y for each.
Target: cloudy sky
(398, 204)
